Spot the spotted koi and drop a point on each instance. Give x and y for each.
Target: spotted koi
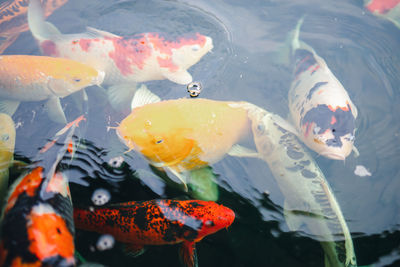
(157, 222)
(37, 221)
(320, 107)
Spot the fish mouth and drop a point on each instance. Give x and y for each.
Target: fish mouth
(333, 155)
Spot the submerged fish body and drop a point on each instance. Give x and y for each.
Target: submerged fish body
(183, 134)
(309, 199)
(7, 143)
(36, 78)
(125, 60)
(157, 222)
(13, 19)
(320, 106)
(388, 9)
(37, 227)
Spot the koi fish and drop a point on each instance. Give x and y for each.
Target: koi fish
(13, 19)
(388, 9)
(37, 221)
(320, 107)
(157, 222)
(36, 78)
(7, 143)
(181, 135)
(309, 200)
(125, 60)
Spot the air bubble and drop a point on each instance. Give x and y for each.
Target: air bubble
(100, 196)
(194, 88)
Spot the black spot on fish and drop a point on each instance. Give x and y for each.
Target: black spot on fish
(140, 218)
(322, 116)
(294, 168)
(305, 162)
(315, 88)
(304, 59)
(294, 154)
(308, 174)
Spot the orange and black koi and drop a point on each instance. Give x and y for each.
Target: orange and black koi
(158, 222)
(13, 19)
(37, 222)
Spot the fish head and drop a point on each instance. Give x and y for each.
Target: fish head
(68, 76)
(329, 131)
(213, 216)
(156, 136)
(187, 51)
(7, 138)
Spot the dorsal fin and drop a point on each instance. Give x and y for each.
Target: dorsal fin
(99, 33)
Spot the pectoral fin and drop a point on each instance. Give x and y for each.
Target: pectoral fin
(120, 95)
(202, 184)
(356, 152)
(143, 96)
(55, 111)
(8, 106)
(241, 151)
(96, 33)
(292, 220)
(181, 76)
(180, 176)
(188, 255)
(134, 250)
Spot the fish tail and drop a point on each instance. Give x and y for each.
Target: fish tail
(296, 33)
(41, 29)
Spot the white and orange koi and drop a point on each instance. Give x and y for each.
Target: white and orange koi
(388, 9)
(125, 60)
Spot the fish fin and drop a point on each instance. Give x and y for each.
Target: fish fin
(55, 111)
(8, 106)
(292, 220)
(356, 152)
(143, 96)
(181, 176)
(81, 100)
(99, 33)
(202, 184)
(134, 250)
(188, 255)
(181, 76)
(8, 41)
(281, 122)
(119, 95)
(40, 28)
(152, 181)
(241, 152)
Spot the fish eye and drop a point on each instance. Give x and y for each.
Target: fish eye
(159, 141)
(209, 223)
(5, 137)
(77, 80)
(195, 48)
(260, 127)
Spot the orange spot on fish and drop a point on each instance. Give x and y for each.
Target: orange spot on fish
(85, 44)
(47, 146)
(49, 236)
(18, 262)
(318, 141)
(167, 63)
(129, 53)
(57, 185)
(49, 48)
(382, 6)
(333, 120)
(320, 92)
(28, 185)
(70, 147)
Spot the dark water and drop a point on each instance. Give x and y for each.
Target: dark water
(360, 49)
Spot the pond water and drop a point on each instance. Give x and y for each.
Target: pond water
(361, 50)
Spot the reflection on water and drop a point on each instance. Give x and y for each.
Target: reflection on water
(361, 50)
